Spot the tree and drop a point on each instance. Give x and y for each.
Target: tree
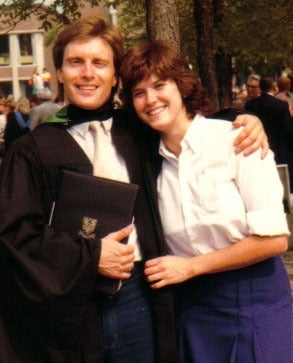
(52, 15)
(204, 20)
(257, 35)
(163, 21)
(132, 21)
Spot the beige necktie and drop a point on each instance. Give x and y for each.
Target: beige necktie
(99, 161)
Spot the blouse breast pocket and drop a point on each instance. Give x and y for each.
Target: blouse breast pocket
(212, 190)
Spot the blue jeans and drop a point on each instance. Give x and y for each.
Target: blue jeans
(127, 322)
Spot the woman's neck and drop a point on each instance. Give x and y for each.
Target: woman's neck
(172, 139)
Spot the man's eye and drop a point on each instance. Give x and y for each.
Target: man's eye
(75, 61)
(100, 63)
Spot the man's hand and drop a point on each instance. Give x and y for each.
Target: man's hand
(117, 259)
(252, 137)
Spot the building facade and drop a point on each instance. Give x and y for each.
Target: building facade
(21, 53)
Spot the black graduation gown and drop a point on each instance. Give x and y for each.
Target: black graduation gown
(47, 280)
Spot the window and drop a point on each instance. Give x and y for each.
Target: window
(4, 50)
(5, 88)
(26, 50)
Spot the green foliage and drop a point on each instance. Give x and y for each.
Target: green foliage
(132, 21)
(132, 24)
(259, 34)
(54, 14)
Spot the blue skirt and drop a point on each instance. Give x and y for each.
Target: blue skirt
(240, 316)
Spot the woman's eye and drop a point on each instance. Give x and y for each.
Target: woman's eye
(137, 94)
(160, 85)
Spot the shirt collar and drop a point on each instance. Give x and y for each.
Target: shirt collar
(83, 128)
(187, 141)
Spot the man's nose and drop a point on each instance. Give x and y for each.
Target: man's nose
(87, 70)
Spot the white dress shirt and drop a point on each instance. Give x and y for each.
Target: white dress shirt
(118, 171)
(210, 198)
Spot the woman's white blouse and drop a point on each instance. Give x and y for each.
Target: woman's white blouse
(210, 198)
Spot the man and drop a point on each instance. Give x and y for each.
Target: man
(252, 86)
(275, 116)
(52, 309)
(277, 122)
(252, 90)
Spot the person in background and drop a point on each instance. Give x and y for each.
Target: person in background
(46, 76)
(34, 101)
(18, 121)
(9, 106)
(36, 82)
(253, 86)
(2, 115)
(250, 91)
(290, 76)
(284, 86)
(2, 124)
(44, 110)
(222, 216)
(52, 308)
(277, 122)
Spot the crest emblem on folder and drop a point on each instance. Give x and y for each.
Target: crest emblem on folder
(88, 227)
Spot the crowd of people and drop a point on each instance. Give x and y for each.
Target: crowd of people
(200, 279)
(271, 99)
(17, 117)
(282, 88)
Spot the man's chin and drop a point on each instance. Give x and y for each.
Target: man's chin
(87, 106)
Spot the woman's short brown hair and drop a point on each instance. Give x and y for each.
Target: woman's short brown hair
(159, 59)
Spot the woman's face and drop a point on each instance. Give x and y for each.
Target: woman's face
(159, 104)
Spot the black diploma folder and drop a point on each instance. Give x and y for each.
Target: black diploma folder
(92, 207)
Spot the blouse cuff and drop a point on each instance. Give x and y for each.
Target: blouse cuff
(267, 223)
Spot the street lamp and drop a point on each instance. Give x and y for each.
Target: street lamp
(113, 12)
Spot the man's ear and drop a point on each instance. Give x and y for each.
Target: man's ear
(59, 75)
(114, 83)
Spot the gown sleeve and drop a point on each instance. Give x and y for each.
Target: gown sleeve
(46, 278)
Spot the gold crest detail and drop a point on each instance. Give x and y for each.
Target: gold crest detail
(88, 227)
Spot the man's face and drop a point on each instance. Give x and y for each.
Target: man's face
(87, 73)
(253, 89)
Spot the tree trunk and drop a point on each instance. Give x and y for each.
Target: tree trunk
(224, 72)
(163, 21)
(204, 19)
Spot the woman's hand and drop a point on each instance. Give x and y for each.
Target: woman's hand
(252, 137)
(167, 270)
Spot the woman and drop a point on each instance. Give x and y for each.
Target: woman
(223, 220)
